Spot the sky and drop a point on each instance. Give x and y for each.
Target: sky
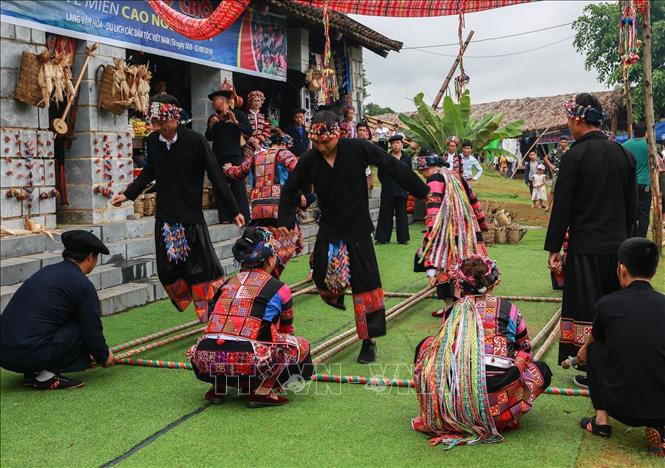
(557, 69)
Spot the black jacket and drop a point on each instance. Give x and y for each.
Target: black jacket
(179, 175)
(389, 187)
(595, 197)
(629, 333)
(300, 142)
(225, 138)
(49, 300)
(342, 189)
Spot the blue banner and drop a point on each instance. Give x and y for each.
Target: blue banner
(133, 24)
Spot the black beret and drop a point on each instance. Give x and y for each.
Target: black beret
(222, 92)
(396, 137)
(298, 111)
(81, 241)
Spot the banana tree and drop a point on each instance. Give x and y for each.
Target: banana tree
(431, 129)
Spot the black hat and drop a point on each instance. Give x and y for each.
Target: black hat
(222, 92)
(396, 137)
(85, 242)
(298, 111)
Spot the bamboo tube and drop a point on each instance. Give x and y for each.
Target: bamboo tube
(155, 363)
(160, 343)
(307, 290)
(550, 339)
(542, 334)
(154, 336)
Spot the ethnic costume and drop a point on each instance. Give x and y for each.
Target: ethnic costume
(454, 220)
(270, 168)
(343, 252)
(475, 377)
(596, 202)
(187, 265)
(249, 341)
(258, 121)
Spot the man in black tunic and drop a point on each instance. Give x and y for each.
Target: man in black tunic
(343, 251)
(596, 202)
(52, 322)
(626, 353)
(393, 199)
(298, 132)
(178, 157)
(225, 127)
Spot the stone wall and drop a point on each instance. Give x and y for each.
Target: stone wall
(205, 80)
(356, 58)
(27, 178)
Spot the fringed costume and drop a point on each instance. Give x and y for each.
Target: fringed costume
(269, 169)
(475, 377)
(187, 264)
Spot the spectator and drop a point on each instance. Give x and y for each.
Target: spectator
(553, 162)
(364, 133)
(639, 149)
(469, 162)
(298, 132)
(530, 168)
(539, 192)
(393, 200)
(348, 125)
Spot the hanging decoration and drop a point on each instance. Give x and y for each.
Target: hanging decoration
(224, 16)
(629, 44)
(409, 8)
(462, 80)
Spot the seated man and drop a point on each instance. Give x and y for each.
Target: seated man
(52, 323)
(459, 402)
(626, 352)
(249, 342)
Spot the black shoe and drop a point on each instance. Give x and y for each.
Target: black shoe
(380, 243)
(589, 424)
(405, 243)
(58, 382)
(367, 352)
(581, 381)
(29, 379)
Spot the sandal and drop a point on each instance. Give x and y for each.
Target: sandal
(602, 430)
(656, 441)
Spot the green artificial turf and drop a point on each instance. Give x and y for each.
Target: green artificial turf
(325, 424)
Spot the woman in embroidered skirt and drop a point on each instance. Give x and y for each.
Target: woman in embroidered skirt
(475, 377)
(249, 342)
(269, 168)
(454, 220)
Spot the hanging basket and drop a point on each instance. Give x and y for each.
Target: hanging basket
(105, 89)
(27, 87)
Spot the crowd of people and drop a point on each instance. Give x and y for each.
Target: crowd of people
(475, 375)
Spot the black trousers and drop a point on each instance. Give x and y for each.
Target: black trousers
(643, 209)
(596, 357)
(67, 352)
(588, 278)
(368, 303)
(239, 190)
(384, 228)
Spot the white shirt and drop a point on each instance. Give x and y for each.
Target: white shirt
(168, 143)
(450, 159)
(467, 168)
(382, 133)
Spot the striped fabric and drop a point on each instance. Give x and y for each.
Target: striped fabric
(410, 8)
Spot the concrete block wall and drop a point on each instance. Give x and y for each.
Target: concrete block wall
(205, 80)
(26, 144)
(356, 58)
(101, 154)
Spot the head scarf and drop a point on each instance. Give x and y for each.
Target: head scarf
(256, 95)
(348, 109)
(320, 132)
(263, 250)
(162, 111)
(423, 162)
(453, 139)
(469, 285)
(279, 139)
(588, 113)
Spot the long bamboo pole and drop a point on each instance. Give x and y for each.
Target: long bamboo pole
(549, 326)
(446, 82)
(550, 339)
(160, 343)
(154, 336)
(657, 227)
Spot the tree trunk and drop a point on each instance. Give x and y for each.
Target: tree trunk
(657, 225)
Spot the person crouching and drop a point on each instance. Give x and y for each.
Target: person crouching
(249, 342)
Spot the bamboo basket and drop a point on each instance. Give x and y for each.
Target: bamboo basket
(27, 88)
(515, 234)
(149, 204)
(139, 206)
(106, 99)
(500, 235)
(489, 236)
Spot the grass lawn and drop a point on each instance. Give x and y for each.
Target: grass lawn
(325, 424)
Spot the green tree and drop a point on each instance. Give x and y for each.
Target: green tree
(431, 128)
(597, 36)
(375, 109)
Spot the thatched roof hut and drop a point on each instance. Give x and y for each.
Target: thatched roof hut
(538, 113)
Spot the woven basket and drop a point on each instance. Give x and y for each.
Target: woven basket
(489, 236)
(150, 202)
(106, 99)
(500, 235)
(27, 87)
(139, 206)
(515, 234)
(205, 202)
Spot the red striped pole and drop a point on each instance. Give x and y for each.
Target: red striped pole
(154, 363)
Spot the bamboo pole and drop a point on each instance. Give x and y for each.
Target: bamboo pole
(446, 82)
(624, 75)
(160, 343)
(399, 294)
(657, 226)
(526, 155)
(546, 329)
(550, 339)
(154, 336)
(306, 290)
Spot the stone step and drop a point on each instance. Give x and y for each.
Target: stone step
(125, 296)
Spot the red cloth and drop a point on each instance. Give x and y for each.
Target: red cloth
(409, 8)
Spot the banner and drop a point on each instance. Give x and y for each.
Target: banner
(255, 44)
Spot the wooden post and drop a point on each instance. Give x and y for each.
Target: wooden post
(657, 225)
(626, 85)
(444, 86)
